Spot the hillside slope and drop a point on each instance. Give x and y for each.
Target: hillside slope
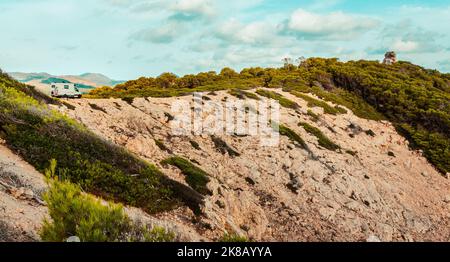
(341, 172)
(416, 100)
(374, 186)
(21, 206)
(30, 131)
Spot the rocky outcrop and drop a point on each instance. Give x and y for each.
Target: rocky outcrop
(390, 58)
(381, 190)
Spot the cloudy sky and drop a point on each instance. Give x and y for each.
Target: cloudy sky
(126, 39)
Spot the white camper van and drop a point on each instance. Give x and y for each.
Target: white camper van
(65, 90)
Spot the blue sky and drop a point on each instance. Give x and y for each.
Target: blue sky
(126, 39)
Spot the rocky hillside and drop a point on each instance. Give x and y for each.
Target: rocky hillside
(369, 184)
(21, 207)
(363, 155)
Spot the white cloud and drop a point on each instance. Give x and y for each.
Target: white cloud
(255, 33)
(336, 25)
(160, 35)
(405, 46)
(406, 37)
(199, 7)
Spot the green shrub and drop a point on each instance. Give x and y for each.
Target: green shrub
(233, 238)
(160, 145)
(195, 176)
(322, 139)
(284, 102)
(128, 99)
(313, 116)
(342, 97)
(241, 94)
(345, 98)
(312, 102)
(74, 213)
(435, 146)
(286, 131)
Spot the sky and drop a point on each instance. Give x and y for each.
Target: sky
(127, 39)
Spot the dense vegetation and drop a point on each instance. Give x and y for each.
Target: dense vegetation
(74, 213)
(312, 102)
(40, 134)
(415, 99)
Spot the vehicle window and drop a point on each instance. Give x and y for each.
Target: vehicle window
(66, 86)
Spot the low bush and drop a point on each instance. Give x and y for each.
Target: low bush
(313, 116)
(284, 102)
(160, 144)
(128, 99)
(241, 94)
(322, 139)
(233, 238)
(74, 213)
(342, 97)
(312, 102)
(294, 137)
(195, 176)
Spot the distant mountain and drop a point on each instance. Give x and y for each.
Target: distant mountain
(27, 77)
(100, 79)
(91, 80)
(54, 80)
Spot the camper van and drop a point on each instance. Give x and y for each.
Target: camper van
(68, 90)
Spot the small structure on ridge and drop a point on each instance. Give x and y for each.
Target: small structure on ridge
(390, 58)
